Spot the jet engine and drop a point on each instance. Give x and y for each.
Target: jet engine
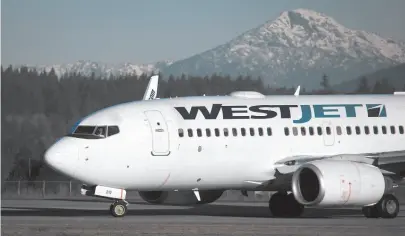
(333, 182)
(180, 197)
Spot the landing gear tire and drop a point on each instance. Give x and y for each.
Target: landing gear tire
(285, 205)
(118, 208)
(387, 207)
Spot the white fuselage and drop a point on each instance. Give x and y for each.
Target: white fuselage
(149, 154)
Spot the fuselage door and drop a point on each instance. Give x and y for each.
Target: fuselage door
(160, 133)
(328, 134)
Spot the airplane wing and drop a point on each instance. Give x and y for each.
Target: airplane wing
(151, 90)
(390, 163)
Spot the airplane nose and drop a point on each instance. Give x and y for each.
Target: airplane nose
(62, 156)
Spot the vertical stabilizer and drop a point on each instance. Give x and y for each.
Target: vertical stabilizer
(151, 90)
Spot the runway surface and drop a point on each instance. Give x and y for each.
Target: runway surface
(57, 217)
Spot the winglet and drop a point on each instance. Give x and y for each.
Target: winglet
(297, 92)
(151, 90)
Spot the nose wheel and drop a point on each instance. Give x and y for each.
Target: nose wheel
(119, 208)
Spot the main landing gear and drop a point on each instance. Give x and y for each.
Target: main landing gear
(284, 205)
(387, 207)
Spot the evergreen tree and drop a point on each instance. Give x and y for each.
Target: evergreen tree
(325, 84)
(363, 87)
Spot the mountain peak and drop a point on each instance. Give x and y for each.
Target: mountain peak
(305, 13)
(303, 18)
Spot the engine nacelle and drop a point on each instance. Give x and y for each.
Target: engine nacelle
(337, 183)
(180, 197)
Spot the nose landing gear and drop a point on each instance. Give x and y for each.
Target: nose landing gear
(119, 208)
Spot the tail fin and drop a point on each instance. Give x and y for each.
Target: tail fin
(151, 90)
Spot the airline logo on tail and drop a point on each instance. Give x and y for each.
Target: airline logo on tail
(308, 112)
(152, 94)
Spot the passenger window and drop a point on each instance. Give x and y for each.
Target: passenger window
(226, 132)
(366, 130)
(328, 131)
(190, 132)
(319, 130)
(392, 129)
(384, 129)
(199, 133)
(303, 131)
(260, 131)
(375, 129)
(217, 132)
(287, 131)
(401, 129)
(234, 132)
(295, 131)
(112, 130)
(181, 132)
(269, 132)
(252, 131)
(208, 132)
(311, 131)
(349, 130)
(338, 130)
(243, 131)
(357, 130)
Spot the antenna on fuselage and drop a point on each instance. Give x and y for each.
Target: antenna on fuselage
(151, 89)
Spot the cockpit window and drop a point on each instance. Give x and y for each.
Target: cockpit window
(85, 130)
(101, 131)
(94, 132)
(112, 130)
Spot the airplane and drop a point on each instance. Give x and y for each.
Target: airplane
(309, 150)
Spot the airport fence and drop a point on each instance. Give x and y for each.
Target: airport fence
(40, 189)
(71, 190)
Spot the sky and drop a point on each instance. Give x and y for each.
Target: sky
(145, 31)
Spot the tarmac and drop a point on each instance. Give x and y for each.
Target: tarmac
(92, 217)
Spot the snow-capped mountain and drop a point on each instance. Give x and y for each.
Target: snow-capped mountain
(297, 48)
(102, 69)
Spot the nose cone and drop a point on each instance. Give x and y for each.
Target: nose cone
(62, 156)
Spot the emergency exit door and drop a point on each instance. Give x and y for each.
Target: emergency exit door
(160, 133)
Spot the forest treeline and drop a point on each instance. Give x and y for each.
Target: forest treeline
(38, 108)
